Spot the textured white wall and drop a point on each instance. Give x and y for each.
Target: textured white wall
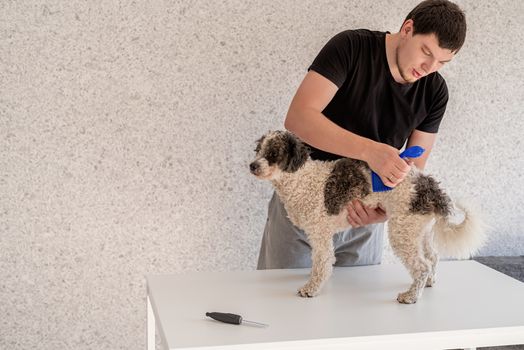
(126, 129)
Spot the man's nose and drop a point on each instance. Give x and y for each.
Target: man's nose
(430, 66)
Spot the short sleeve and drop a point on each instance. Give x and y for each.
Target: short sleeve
(333, 61)
(436, 111)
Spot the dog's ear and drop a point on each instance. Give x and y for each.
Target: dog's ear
(297, 153)
(259, 143)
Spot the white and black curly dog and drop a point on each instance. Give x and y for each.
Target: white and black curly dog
(316, 193)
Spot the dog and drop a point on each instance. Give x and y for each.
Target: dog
(316, 194)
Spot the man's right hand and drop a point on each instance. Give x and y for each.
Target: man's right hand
(384, 160)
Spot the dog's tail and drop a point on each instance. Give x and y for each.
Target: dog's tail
(463, 239)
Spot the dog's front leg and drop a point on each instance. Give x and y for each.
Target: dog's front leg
(323, 258)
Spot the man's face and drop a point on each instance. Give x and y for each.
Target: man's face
(419, 55)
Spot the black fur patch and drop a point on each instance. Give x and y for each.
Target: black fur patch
(346, 182)
(429, 197)
(286, 150)
(297, 153)
(275, 148)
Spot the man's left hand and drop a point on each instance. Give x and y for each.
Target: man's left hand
(361, 215)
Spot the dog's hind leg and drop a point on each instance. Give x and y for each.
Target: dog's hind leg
(431, 255)
(406, 239)
(323, 258)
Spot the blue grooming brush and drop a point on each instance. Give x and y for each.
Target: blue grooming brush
(376, 181)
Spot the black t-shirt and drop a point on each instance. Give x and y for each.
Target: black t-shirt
(369, 102)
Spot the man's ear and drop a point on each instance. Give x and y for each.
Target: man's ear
(297, 153)
(407, 27)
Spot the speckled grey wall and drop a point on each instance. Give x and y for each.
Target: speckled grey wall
(126, 129)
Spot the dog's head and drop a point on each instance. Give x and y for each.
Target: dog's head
(278, 151)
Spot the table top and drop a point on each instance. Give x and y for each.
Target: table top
(469, 304)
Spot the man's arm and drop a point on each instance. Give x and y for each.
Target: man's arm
(425, 140)
(305, 119)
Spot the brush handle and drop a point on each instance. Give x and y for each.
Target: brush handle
(376, 181)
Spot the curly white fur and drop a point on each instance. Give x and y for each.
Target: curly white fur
(463, 239)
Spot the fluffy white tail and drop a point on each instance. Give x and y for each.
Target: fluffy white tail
(460, 240)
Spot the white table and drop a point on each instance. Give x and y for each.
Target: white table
(471, 305)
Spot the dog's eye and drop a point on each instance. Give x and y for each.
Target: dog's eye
(272, 156)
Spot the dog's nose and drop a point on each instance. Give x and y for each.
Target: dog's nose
(253, 167)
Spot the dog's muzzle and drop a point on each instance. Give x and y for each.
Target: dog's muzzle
(254, 168)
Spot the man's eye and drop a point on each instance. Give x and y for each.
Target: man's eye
(426, 53)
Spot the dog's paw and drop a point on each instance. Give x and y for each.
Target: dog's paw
(430, 281)
(407, 298)
(308, 291)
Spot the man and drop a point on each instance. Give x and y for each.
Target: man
(364, 96)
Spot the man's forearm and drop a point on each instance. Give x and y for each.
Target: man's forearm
(315, 129)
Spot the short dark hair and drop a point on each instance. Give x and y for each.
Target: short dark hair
(442, 18)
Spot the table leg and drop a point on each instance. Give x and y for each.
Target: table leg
(150, 326)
